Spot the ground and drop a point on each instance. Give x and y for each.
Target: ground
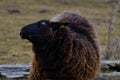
(14, 14)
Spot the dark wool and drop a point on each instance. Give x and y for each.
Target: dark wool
(70, 53)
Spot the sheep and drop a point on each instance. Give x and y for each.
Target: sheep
(65, 48)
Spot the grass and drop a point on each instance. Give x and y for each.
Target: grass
(15, 50)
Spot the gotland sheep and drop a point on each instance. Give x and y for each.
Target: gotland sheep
(65, 48)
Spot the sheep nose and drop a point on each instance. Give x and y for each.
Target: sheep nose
(24, 33)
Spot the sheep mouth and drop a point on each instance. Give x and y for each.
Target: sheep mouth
(25, 36)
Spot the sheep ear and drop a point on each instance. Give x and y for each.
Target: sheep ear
(57, 25)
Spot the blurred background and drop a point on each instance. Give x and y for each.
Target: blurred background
(14, 14)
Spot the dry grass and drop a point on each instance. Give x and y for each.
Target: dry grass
(15, 50)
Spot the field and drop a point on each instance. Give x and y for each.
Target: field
(14, 14)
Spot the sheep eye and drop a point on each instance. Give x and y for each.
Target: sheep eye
(43, 23)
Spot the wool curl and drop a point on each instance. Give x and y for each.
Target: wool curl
(79, 22)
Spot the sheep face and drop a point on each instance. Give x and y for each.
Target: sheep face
(39, 31)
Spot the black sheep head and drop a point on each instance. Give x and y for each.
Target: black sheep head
(38, 31)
